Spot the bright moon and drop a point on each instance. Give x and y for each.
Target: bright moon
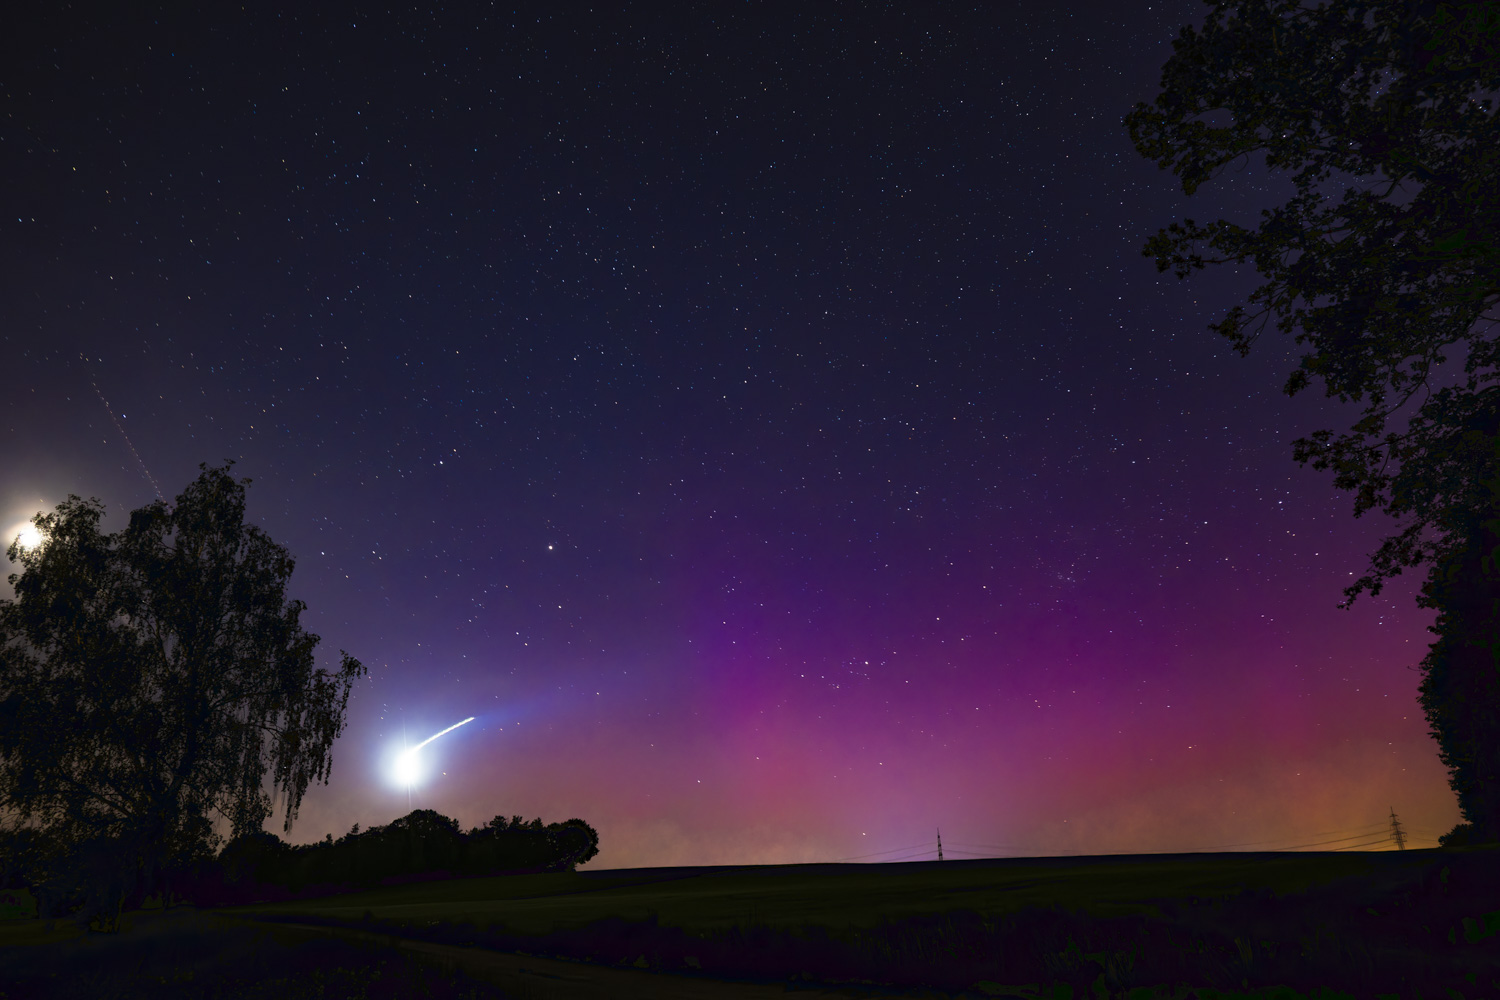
(30, 537)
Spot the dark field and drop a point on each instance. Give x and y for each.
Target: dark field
(1409, 924)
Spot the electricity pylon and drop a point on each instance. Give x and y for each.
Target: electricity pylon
(940, 844)
(1396, 834)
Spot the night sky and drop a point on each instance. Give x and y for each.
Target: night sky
(760, 418)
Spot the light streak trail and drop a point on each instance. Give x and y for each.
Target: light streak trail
(149, 478)
(406, 763)
(436, 735)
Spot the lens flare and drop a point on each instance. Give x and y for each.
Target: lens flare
(407, 771)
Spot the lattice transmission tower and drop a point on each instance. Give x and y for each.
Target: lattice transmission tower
(1396, 834)
(940, 844)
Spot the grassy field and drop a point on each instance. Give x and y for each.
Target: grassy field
(840, 896)
(1395, 924)
(181, 953)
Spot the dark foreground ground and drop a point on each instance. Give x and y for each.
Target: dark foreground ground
(204, 956)
(1418, 924)
(187, 954)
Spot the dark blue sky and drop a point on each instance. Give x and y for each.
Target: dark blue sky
(760, 418)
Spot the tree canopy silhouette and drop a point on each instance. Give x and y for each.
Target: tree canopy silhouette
(1460, 690)
(152, 676)
(1383, 281)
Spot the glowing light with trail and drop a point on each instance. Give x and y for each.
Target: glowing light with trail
(408, 769)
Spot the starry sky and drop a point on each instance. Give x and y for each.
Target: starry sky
(760, 418)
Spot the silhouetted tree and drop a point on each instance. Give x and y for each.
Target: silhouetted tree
(20, 848)
(183, 857)
(1380, 288)
(1460, 692)
(1381, 283)
(577, 842)
(428, 841)
(247, 863)
(153, 675)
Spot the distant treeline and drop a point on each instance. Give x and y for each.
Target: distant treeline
(260, 867)
(420, 846)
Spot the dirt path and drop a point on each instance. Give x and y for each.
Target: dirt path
(529, 978)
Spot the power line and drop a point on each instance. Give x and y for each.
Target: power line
(1190, 850)
(920, 854)
(1253, 843)
(1362, 832)
(999, 852)
(1355, 847)
(895, 850)
(953, 850)
(1320, 843)
(978, 850)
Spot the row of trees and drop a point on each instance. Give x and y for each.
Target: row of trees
(420, 845)
(259, 866)
(95, 877)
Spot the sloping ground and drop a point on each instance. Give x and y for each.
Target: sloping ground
(849, 896)
(540, 978)
(1393, 921)
(1382, 924)
(185, 955)
(189, 955)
